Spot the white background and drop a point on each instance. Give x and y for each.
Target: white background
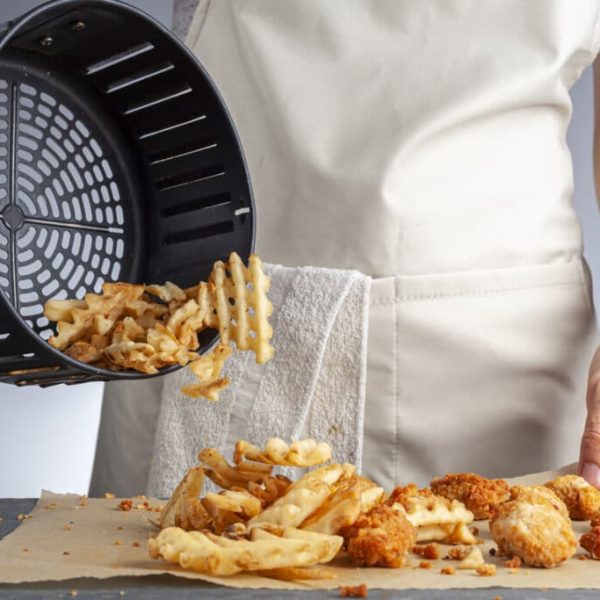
(47, 437)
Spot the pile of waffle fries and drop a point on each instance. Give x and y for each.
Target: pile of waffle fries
(149, 327)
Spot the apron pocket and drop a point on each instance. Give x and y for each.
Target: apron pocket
(488, 369)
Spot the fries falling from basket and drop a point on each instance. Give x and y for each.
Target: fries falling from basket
(149, 327)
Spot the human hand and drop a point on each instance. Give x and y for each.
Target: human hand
(589, 456)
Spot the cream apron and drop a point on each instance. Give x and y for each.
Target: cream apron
(423, 142)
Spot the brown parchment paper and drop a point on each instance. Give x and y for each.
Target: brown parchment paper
(98, 548)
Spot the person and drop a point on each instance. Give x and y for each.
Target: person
(423, 143)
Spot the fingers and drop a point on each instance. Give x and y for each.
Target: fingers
(589, 458)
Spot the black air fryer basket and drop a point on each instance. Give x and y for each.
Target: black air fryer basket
(118, 161)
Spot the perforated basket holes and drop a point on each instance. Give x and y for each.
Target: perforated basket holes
(61, 214)
(5, 272)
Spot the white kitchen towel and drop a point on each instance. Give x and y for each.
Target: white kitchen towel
(313, 387)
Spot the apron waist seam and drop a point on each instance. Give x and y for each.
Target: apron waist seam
(473, 292)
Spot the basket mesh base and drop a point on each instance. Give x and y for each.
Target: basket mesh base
(62, 216)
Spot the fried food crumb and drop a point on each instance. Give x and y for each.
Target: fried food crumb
(458, 552)
(125, 504)
(353, 591)
(447, 571)
(22, 517)
(475, 530)
(497, 598)
(582, 557)
(67, 527)
(73, 593)
(486, 570)
(424, 564)
(25, 550)
(119, 528)
(83, 501)
(136, 544)
(514, 563)
(429, 551)
(109, 496)
(65, 553)
(117, 542)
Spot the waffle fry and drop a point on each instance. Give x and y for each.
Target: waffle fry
(270, 489)
(62, 310)
(208, 369)
(303, 497)
(226, 476)
(242, 305)
(435, 517)
(168, 349)
(299, 573)
(234, 501)
(230, 508)
(355, 496)
(184, 509)
(147, 328)
(216, 555)
(167, 292)
(132, 355)
(84, 352)
(301, 453)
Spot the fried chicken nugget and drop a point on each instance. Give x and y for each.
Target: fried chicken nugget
(480, 495)
(539, 494)
(534, 528)
(379, 538)
(581, 498)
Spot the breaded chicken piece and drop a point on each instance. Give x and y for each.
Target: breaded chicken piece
(539, 494)
(480, 495)
(379, 538)
(581, 498)
(534, 527)
(590, 541)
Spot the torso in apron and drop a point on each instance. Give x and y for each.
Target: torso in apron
(423, 142)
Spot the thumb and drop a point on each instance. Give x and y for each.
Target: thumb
(589, 457)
